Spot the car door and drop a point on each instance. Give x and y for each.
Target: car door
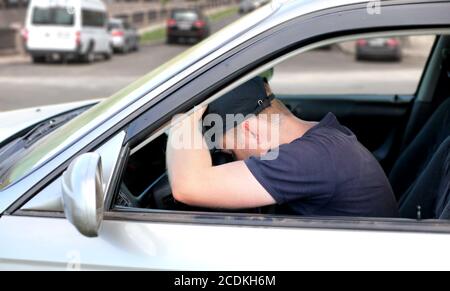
(171, 243)
(151, 239)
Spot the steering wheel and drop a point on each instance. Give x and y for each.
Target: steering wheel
(158, 195)
(159, 188)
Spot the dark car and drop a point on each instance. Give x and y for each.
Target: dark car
(379, 49)
(188, 25)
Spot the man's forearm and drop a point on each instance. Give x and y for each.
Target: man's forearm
(196, 182)
(187, 162)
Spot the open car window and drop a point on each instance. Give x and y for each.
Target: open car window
(364, 68)
(310, 84)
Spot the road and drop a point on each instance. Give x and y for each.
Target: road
(23, 84)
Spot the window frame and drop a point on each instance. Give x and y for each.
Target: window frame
(266, 220)
(146, 122)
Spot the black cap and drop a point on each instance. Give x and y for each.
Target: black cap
(248, 98)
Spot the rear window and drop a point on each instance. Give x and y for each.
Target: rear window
(53, 16)
(185, 15)
(93, 18)
(114, 25)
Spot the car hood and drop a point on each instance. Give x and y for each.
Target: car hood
(12, 122)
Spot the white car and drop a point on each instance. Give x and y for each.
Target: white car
(94, 194)
(124, 37)
(72, 29)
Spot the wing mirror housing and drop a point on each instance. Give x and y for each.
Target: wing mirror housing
(83, 194)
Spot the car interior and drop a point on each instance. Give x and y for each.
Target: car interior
(409, 135)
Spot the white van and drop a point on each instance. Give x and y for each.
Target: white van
(67, 29)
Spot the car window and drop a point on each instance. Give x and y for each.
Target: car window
(148, 187)
(114, 25)
(93, 18)
(52, 16)
(185, 16)
(375, 66)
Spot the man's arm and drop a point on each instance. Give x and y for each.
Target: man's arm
(195, 181)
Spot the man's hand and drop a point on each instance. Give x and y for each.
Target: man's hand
(187, 124)
(196, 182)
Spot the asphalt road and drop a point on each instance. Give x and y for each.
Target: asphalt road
(23, 84)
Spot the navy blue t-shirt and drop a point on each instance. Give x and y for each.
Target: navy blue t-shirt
(326, 172)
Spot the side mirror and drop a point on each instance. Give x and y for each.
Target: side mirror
(82, 188)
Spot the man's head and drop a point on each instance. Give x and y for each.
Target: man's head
(251, 119)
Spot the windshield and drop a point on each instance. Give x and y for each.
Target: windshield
(114, 25)
(58, 140)
(53, 16)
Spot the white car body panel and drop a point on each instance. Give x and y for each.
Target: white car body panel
(160, 246)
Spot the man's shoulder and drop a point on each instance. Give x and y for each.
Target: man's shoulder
(297, 156)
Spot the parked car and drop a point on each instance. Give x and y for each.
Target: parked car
(73, 30)
(124, 37)
(379, 49)
(187, 24)
(66, 201)
(247, 6)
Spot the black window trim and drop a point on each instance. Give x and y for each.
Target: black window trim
(279, 221)
(397, 225)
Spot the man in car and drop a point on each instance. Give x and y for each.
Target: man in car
(311, 168)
